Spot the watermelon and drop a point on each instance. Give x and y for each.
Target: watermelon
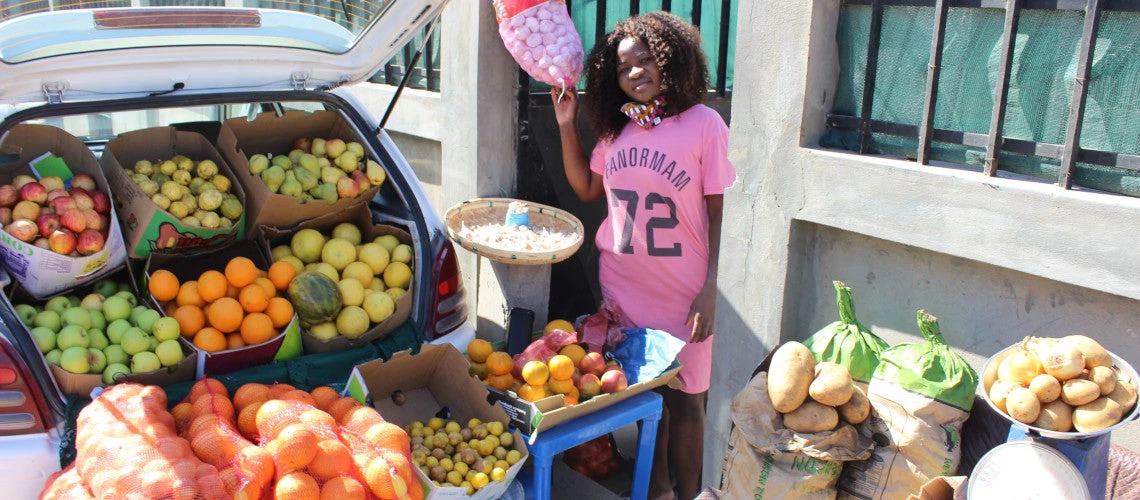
(315, 297)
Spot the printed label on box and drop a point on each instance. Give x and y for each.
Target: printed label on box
(525, 417)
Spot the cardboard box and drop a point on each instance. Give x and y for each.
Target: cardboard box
(432, 379)
(185, 269)
(361, 216)
(270, 134)
(147, 228)
(534, 417)
(83, 384)
(40, 271)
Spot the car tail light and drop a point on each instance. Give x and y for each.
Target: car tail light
(448, 310)
(22, 406)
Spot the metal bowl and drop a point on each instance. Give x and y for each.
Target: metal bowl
(1124, 371)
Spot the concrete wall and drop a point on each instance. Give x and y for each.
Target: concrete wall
(995, 259)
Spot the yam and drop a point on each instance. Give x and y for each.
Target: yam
(1046, 387)
(789, 376)
(1103, 377)
(832, 385)
(1022, 405)
(1055, 415)
(1100, 414)
(999, 392)
(1078, 391)
(811, 417)
(1094, 353)
(856, 409)
(1124, 394)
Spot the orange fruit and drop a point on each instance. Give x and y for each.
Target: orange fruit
(296, 447)
(256, 464)
(561, 367)
(558, 324)
(234, 341)
(207, 386)
(573, 351)
(169, 307)
(560, 386)
(297, 486)
(332, 460)
(250, 393)
(225, 314)
(232, 291)
(163, 285)
(570, 398)
(188, 295)
(212, 285)
(253, 298)
(210, 340)
(385, 479)
(265, 284)
(241, 271)
(281, 273)
(536, 372)
(190, 319)
(360, 419)
(298, 395)
(530, 392)
(324, 396)
(389, 436)
(280, 310)
(247, 421)
(499, 363)
(341, 406)
(478, 350)
(213, 404)
(182, 415)
(342, 488)
(276, 390)
(501, 382)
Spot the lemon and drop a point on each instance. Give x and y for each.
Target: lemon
(402, 253)
(352, 322)
(375, 255)
(360, 272)
(324, 331)
(395, 293)
(397, 275)
(297, 264)
(379, 306)
(307, 245)
(388, 241)
(339, 253)
(351, 291)
(281, 251)
(377, 284)
(347, 231)
(326, 269)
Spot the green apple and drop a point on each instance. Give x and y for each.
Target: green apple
(48, 318)
(114, 371)
(58, 304)
(97, 319)
(74, 300)
(44, 337)
(135, 341)
(166, 329)
(116, 354)
(153, 342)
(126, 287)
(26, 312)
(106, 287)
(135, 312)
(145, 361)
(116, 307)
(96, 360)
(92, 302)
(53, 356)
(72, 336)
(145, 320)
(116, 329)
(169, 352)
(76, 316)
(97, 339)
(128, 296)
(74, 360)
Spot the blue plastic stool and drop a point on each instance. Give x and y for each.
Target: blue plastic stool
(644, 408)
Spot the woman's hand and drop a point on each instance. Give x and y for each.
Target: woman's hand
(565, 106)
(701, 313)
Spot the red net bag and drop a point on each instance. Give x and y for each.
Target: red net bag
(66, 485)
(542, 39)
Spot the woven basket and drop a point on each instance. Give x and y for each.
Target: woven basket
(481, 211)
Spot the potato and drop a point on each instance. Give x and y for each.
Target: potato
(811, 417)
(999, 392)
(1124, 394)
(1055, 415)
(1019, 366)
(1104, 377)
(1022, 405)
(1078, 391)
(789, 376)
(1100, 414)
(856, 409)
(1046, 387)
(832, 385)
(1094, 353)
(1062, 360)
(991, 371)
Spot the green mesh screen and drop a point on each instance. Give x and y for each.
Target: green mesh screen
(1044, 65)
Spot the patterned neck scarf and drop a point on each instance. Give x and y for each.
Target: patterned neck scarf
(647, 115)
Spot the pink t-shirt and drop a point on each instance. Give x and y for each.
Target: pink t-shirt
(654, 240)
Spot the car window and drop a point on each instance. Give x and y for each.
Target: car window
(101, 127)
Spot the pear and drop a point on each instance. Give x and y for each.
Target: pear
(330, 175)
(347, 187)
(347, 161)
(325, 191)
(258, 163)
(196, 185)
(310, 163)
(291, 188)
(282, 161)
(335, 147)
(273, 177)
(356, 148)
(231, 209)
(375, 173)
(307, 178)
(324, 162)
(295, 156)
(318, 147)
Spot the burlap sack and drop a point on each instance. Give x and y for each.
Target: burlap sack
(767, 460)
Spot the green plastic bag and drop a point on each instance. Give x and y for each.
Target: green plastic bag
(847, 342)
(931, 369)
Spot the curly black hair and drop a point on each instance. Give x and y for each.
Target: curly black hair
(674, 43)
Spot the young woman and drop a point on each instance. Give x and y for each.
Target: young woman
(661, 162)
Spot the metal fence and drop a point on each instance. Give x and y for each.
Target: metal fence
(1053, 50)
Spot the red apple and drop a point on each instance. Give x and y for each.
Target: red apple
(22, 179)
(613, 381)
(94, 220)
(34, 191)
(8, 195)
(62, 241)
(62, 203)
(82, 198)
(47, 223)
(83, 181)
(303, 143)
(73, 219)
(5, 216)
(589, 386)
(42, 243)
(347, 188)
(592, 362)
(27, 210)
(102, 202)
(91, 241)
(23, 230)
(52, 182)
(56, 193)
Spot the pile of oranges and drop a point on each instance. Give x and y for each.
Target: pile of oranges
(228, 309)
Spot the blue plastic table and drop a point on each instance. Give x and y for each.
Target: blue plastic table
(644, 408)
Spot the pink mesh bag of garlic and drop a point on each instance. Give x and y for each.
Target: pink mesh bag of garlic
(541, 37)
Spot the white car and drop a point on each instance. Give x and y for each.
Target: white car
(98, 73)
